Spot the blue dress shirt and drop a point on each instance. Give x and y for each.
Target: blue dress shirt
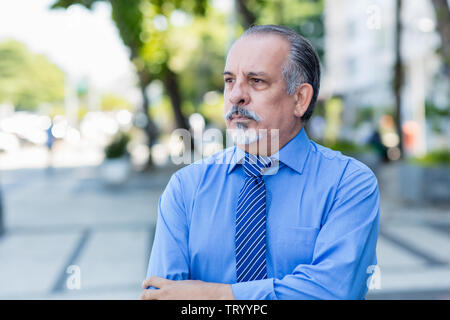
(321, 226)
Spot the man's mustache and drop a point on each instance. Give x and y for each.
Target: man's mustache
(236, 110)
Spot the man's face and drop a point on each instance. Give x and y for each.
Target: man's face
(253, 81)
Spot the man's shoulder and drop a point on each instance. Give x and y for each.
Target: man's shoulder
(336, 160)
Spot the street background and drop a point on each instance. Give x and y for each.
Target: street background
(70, 217)
(92, 92)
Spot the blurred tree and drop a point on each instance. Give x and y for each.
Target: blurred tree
(28, 79)
(183, 43)
(247, 11)
(128, 18)
(304, 16)
(197, 54)
(441, 8)
(141, 27)
(398, 80)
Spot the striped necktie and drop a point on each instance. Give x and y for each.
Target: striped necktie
(251, 221)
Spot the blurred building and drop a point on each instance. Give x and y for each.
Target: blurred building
(359, 59)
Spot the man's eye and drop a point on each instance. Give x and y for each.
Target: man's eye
(228, 80)
(255, 80)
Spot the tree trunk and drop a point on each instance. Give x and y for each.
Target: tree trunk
(247, 17)
(151, 129)
(173, 91)
(442, 11)
(398, 74)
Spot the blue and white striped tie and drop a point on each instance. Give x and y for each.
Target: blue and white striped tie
(251, 222)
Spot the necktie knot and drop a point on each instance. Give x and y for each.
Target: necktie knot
(255, 166)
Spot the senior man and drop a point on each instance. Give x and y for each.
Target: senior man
(288, 219)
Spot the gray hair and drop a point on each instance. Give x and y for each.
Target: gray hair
(302, 65)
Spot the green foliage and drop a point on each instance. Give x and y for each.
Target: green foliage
(153, 51)
(432, 111)
(134, 20)
(434, 158)
(213, 111)
(196, 51)
(82, 111)
(28, 79)
(163, 114)
(118, 146)
(111, 102)
(127, 16)
(364, 114)
(305, 17)
(67, 3)
(333, 110)
(198, 54)
(436, 116)
(348, 147)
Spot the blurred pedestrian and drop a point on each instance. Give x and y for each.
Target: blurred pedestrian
(49, 143)
(377, 144)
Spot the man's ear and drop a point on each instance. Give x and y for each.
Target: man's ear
(303, 95)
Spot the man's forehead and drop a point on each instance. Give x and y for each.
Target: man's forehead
(249, 73)
(257, 53)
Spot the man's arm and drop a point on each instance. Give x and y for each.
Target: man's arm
(344, 249)
(169, 258)
(185, 290)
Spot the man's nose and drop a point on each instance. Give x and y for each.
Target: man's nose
(239, 95)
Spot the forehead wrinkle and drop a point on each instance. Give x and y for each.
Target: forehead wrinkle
(260, 73)
(250, 73)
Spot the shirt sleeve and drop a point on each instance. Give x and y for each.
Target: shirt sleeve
(169, 256)
(345, 248)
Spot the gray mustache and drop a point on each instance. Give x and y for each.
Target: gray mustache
(236, 110)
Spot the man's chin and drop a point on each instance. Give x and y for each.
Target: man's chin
(245, 136)
(241, 123)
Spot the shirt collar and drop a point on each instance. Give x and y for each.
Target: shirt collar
(293, 154)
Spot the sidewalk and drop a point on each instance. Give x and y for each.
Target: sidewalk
(413, 248)
(67, 217)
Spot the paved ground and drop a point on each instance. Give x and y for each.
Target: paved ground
(414, 244)
(68, 217)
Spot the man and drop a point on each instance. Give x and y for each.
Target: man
(307, 230)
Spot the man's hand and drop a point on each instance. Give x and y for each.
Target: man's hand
(185, 290)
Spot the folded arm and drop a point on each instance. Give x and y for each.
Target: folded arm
(344, 249)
